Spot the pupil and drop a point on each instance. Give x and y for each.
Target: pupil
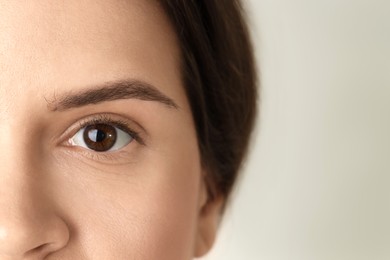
(96, 135)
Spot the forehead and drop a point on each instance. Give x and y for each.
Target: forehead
(47, 46)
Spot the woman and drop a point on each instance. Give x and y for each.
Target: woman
(124, 124)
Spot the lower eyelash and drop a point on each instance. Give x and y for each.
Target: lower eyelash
(107, 156)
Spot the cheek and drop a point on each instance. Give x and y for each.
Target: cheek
(144, 210)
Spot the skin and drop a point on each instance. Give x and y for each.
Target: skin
(59, 200)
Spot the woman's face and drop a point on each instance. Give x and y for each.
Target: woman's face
(99, 155)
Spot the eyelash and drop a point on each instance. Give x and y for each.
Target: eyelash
(106, 119)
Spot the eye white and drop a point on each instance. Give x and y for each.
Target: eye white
(122, 139)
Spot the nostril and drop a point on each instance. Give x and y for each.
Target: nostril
(38, 251)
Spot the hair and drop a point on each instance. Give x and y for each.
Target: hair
(219, 77)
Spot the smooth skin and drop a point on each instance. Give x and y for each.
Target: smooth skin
(59, 199)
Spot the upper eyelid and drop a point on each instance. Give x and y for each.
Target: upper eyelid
(109, 117)
(121, 125)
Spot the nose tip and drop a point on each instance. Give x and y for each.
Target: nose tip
(31, 227)
(32, 238)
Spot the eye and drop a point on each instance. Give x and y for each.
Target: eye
(101, 137)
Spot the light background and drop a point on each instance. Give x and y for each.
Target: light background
(317, 184)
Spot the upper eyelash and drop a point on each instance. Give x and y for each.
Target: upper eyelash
(106, 119)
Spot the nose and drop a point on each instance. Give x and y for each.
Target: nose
(30, 239)
(30, 227)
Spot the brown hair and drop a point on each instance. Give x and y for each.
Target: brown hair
(220, 80)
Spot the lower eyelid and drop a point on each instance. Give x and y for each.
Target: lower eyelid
(123, 156)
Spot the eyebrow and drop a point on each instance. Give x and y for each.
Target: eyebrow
(110, 91)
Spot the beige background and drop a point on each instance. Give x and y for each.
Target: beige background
(317, 183)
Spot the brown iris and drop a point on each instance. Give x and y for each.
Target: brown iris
(100, 137)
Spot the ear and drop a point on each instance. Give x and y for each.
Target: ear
(208, 221)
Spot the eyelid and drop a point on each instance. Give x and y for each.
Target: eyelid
(123, 123)
(122, 137)
(120, 124)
